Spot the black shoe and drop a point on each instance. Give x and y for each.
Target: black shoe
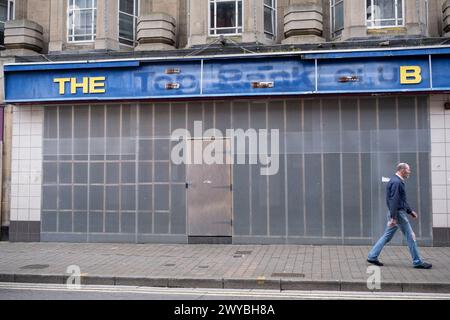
(375, 262)
(424, 265)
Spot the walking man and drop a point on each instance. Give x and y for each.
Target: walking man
(397, 218)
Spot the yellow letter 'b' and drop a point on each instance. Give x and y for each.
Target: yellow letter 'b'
(410, 75)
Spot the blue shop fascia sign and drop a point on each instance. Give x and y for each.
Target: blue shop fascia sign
(298, 73)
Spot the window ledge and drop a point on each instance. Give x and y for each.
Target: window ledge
(226, 35)
(81, 42)
(336, 38)
(386, 30)
(78, 46)
(214, 38)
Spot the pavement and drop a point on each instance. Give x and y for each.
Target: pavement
(271, 267)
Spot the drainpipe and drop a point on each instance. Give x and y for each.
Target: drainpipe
(6, 171)
(419, 20)
(254, 23)
(188, 22)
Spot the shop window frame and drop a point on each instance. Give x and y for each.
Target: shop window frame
(274, 16)
(370, 23)
(238, 29)
(135, 15)
(10, 15)
(71, 27)
(336, 32)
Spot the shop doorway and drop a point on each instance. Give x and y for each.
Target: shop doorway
(209, 191)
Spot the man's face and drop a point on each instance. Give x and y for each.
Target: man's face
(405, 172)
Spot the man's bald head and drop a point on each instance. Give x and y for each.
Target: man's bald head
(404, 170)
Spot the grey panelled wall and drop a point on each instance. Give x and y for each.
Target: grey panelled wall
(107, 174)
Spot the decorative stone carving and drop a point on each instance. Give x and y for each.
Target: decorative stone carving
(303, 23)
(23, 34)
(156, 31)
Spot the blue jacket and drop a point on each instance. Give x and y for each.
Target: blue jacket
(396, 197)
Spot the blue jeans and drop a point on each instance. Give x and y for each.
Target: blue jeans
(405, 227)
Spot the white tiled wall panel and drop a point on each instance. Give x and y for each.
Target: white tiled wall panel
(440, 160)
(437, 121)
(439, 192)
(438, 164)
(440, 221)
(438, 149)
(26, 166)
(439, 178)
(438, 136)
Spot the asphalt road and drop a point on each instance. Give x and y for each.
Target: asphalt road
(15, 291)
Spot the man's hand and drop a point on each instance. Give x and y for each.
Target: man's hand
(414, 215)
(392, 223)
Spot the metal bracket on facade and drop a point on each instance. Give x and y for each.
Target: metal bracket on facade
(173, 71)
(172, 85)
(349, 79)
(262, 84)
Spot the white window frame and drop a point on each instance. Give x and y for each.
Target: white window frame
(273, 10)
(69, 36)
(137, 4)
(334, 32)
(10, 14)
(396, 18)
(212, 32)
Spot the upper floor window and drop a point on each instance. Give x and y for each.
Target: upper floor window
(81, 20)
(225, 17)
(6, 13)
(337, 17)
(128, 15)
(270, 17)
(384, 13)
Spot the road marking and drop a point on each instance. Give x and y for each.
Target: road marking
(268, 294)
